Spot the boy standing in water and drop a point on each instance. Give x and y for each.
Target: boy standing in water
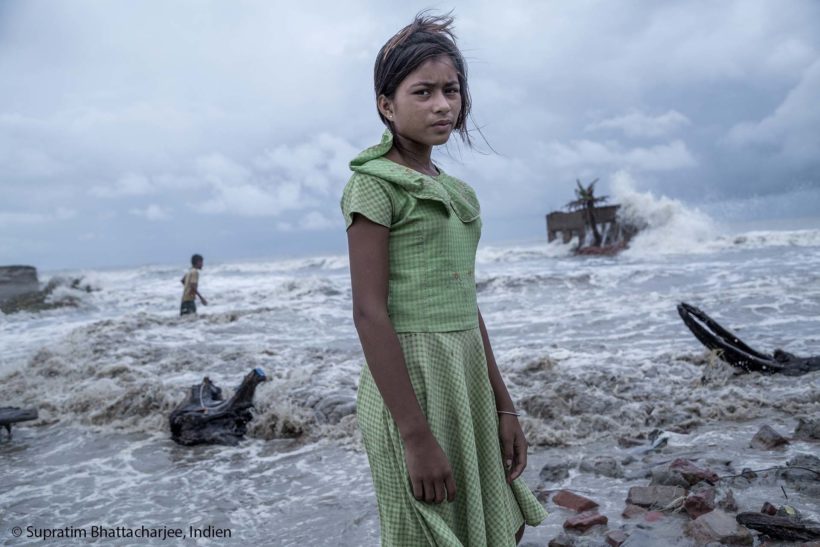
(191, 281)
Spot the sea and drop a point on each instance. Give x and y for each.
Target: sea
(592, 349)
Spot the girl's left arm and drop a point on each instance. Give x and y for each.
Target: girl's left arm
(513, 443)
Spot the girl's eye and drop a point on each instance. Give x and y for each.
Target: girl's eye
(453, 90)
(423, 92)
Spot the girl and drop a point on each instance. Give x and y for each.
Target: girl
(441, 432)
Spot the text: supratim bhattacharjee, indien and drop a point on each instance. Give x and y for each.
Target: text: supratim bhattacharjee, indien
(118, 532)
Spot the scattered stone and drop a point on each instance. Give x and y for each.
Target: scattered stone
(768, 509)
(654, 496)
(573, 501)
(683, 473)
(603, 465)
(653, 516)
(563, 540)
(768, 439)
(802, 464)
(665, 477)
(717, 526)
(555, 470)
(585, 521)
(805, 460)
(803, 474)
(616, 538)
(700, 502)
(728, 502)
(808, 429)
(692, 473)
(632, 511)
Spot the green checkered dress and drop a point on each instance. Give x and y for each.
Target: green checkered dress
(434, 230)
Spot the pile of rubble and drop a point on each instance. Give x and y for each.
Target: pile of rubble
(691, 501)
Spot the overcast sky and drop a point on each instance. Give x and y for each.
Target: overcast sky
(138, 132)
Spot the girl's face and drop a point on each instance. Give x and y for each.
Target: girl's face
(426, 104)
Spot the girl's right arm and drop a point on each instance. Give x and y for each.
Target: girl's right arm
(430, 474)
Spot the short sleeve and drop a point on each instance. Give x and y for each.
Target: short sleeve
(367, 196)
(193, 276)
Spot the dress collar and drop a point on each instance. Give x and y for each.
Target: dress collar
(443, 188)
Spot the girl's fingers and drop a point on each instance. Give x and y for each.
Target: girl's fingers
(450, 483)
(429, 491)
(441, 491)
(520, 457)
(509, 455)
(418, 489)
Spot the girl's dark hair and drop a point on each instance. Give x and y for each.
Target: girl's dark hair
(426, 37)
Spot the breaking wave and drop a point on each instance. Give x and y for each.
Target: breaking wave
(668, 226)
(130, 373)
(566, 403)
(503, 255)
(761, 239)
(505, 283)
(117, 374)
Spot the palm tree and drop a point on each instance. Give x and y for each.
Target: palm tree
(586, 199)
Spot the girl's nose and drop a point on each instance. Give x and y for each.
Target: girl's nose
(441, 104)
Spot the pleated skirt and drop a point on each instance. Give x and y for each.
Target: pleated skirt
(448, 371)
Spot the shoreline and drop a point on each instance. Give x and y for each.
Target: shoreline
(332, 460)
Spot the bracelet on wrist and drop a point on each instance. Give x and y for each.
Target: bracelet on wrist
(508, 412)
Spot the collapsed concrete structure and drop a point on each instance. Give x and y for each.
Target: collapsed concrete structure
(17, 280)
(574, 225)
(20, 290)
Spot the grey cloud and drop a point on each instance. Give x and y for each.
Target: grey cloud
(287, 177)
(660, 157)
(638, 124)
(130, 184)
(11, 218)
(234, 123)
(153, 212)
(793, 129)
(315, 220)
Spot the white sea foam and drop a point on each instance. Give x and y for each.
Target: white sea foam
(667, 226)
(591, 349)
(128, 358)
(760, 239)
(505, 254)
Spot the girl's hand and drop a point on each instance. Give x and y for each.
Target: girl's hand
(513, 446)
(429, 470)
